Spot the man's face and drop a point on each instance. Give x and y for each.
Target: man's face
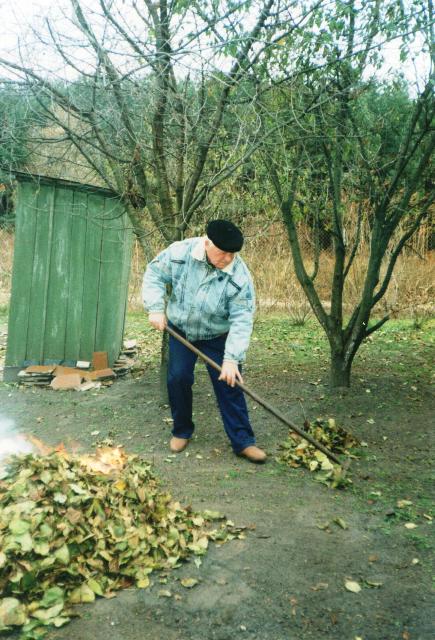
(218, 258)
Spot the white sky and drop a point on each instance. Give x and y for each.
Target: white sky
(18, 17)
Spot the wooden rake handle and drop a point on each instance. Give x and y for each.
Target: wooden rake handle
(256, 397)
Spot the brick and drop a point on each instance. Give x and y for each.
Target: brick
(40, 368)
(69, 381)
(101, 374)
(85, 386)
(100, 360)
(65, 371)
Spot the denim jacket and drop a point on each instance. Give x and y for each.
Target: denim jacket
(205, 302)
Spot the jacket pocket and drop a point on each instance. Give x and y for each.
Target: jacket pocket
(178, 273)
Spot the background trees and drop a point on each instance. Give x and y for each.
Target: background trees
(356, 159)
(245, 108)
(152, 86)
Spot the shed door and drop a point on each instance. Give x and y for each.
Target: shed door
(70, 275)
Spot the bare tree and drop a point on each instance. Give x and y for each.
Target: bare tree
(339, 141)
(149, 85)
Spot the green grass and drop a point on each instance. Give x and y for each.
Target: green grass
(4, 310)
(398, 347)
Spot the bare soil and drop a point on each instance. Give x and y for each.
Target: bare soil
(286, 579)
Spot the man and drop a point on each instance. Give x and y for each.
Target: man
(211, 304)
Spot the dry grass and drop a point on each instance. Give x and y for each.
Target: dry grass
(411, 292)
(6, 256)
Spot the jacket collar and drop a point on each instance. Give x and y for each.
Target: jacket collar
(198, 252)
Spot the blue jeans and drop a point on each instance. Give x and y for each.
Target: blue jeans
(231, 400)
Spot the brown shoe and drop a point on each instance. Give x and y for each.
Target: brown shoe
(254, 454)
(177, 445)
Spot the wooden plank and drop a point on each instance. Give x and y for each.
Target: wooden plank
(59, 277)
(95, 215)
(77, 276)
(110, 294)
(41, 265)
(25, 228)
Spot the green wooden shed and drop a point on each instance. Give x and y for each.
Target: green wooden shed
(70, 273)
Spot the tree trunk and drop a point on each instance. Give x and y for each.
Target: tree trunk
(340, 368)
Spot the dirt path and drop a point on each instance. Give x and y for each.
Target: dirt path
(285, 580)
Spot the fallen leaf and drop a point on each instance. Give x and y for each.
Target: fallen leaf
(164, 594)
(352, 586)
(404, 503)
(341, 523)
(188, 583)
(12, 613)
(410, 525)
(373, 583)
(319, 586)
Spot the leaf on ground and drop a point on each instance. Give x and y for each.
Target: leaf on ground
(188, 583)
(404, 503)
(352, 586)
(12, 613)
(163, 593)
(212, 515)
(373, 583)
(341, 523)
(411, 525)
(319, 586)
(82, 594)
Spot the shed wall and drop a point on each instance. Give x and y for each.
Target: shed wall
(70, 275)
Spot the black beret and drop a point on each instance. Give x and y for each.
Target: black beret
(225, 235)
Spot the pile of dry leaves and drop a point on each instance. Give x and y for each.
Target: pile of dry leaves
(297, 452)
(76, 527)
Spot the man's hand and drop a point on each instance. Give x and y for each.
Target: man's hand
(230, 373)
(158, 320)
